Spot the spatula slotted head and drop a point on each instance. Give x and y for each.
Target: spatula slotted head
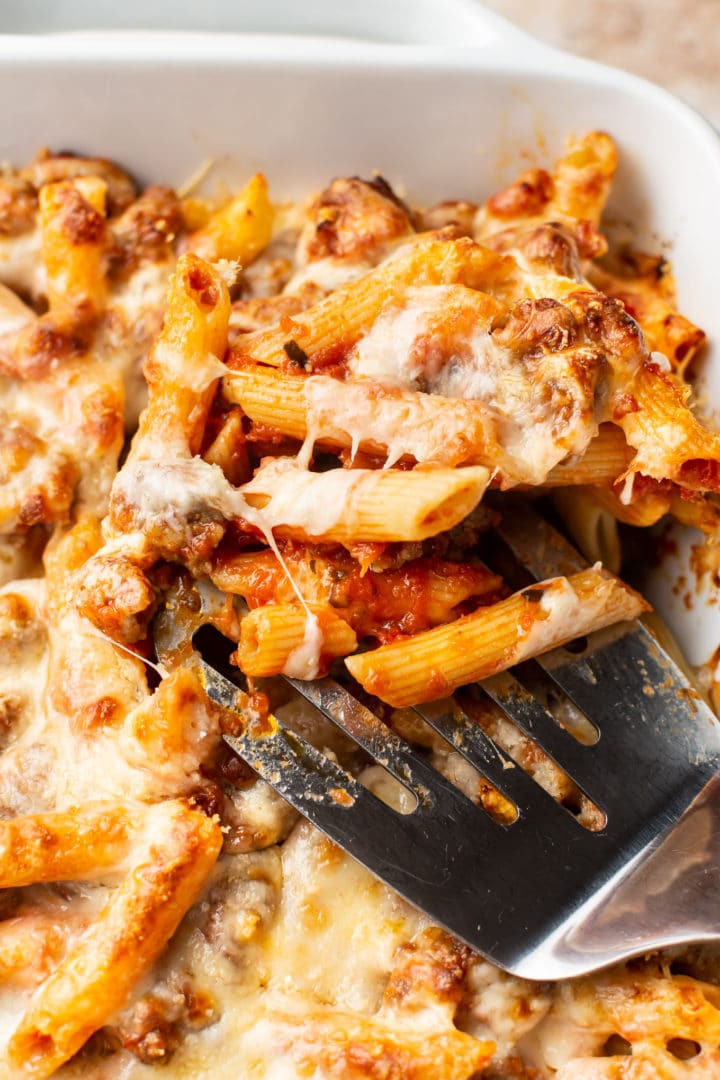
(531, 895)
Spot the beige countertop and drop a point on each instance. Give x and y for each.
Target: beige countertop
(673, 42)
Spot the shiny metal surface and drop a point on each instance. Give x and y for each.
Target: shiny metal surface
(542, 897)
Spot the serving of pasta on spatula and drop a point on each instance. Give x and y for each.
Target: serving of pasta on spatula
(311, 427)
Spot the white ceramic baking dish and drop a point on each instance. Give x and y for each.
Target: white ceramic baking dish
(456, 113)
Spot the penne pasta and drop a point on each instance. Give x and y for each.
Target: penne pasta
(669, 442)
(336, 322)
(433, 664)
(644, 510)
(70, 846)
(697, 512)
(367, 416)
(332, 1044)
(604, 461)
(592, 513)
(583, 175)
(274, 640)
(94, 979)
(363, 505)
(165, 727)
(573, 195)
(239, 230)
(183, 367)
(228, 449)
(74, 240)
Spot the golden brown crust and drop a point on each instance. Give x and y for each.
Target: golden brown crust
(48, 168)
(525, 197)
(433, 965)
(354, 218)
(549, 246)
(645, 286)
(18, 206)
(118, 598)
(572, 196)
(361, 1050)
(94, 980)
(145, 231)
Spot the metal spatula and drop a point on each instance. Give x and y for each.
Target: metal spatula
(542, 897)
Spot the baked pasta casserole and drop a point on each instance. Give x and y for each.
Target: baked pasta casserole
(282, 421)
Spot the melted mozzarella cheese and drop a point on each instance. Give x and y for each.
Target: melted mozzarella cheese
(66, 411)
(135, 316)
(329, 273)
(321, 936)
(388, 352)
(303, 662)
(23, 654)
(504, 1008)
(171, 492)
(307, 940)
(14, 314)
(21, 264)
(558, 607)
(403, 350)
(292, 494)
(53, 713)
(391, 420)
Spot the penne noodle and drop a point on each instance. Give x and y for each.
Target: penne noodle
(591, 525)
(342, 317)
(184, 364)
(165, 726)
(71, 846)
(274, 639)
(270, 397)
(74, 240)
(604, 461)
(434, 663)
(574, 195)
(366, 416)
(332, 1042)
(685, 1006)
(91, 704)
(592, 513)
(450, 584)
(582, 177)
(240, 230)
(363, 505)
(642, 511)
(94, 979)
(669, 441)
(697, 512)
